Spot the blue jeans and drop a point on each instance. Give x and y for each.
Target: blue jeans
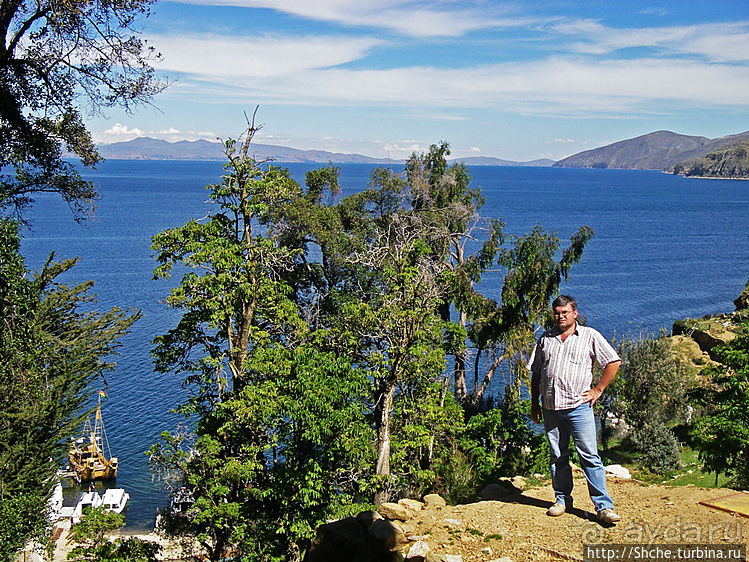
(580, 424)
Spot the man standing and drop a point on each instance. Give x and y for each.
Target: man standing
(562, 368)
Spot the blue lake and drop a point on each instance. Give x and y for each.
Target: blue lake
(664, 248)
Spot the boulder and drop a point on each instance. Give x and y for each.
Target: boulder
(742, 301)
(336, 542)
(366, 518)
(413, 505)
(434, 500)
(394, 511)
(387, 533)
(501, 489)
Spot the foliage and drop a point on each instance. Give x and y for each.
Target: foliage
(56, 57)
(651, 386)
(90, 531)
(23, 520)
(649, 393)
(315, 334)
(501, 441)
(658, 446)
(276, 460)
(53, 348)
(280, 427)
(721, 428)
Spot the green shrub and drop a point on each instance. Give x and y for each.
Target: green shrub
(658, 447)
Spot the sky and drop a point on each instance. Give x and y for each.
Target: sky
(518, 80)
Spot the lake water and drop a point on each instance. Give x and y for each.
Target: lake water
(664, 248)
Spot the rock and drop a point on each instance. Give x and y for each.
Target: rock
(413, 505)
(518, 482)
(505, 487)
(618, 470)
(418, 551)
(336, 542)
(453, 558)
(434, 500)
(387, 533)
(394, 511)
(742, 301)
(366, 518)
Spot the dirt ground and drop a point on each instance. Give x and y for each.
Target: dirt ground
(517, 527)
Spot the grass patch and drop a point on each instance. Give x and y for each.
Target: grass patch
(692, 473)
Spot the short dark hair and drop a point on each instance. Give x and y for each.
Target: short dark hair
(564, 300)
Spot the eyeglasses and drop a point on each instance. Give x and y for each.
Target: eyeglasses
(563, 312)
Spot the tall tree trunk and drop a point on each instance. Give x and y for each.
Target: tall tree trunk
(383, 407)
(478, 393)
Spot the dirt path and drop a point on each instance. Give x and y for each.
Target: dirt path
(518, 528)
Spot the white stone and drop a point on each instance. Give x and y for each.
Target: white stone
(419, 549)
(619, 471)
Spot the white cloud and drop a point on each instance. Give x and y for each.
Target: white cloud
(213, 57)
(402, 149)
(412, 18)
(120, 130)
(555, 86)
(723, 42)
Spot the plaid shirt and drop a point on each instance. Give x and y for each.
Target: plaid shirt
(566, 367)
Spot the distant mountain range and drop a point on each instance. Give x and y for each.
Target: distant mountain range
(661, 150)
(144, 148)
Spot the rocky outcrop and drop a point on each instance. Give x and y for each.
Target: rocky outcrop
(742, 301)
(730, 162)
(387, 535)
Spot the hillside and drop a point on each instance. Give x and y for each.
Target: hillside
(144, 148)
(660, 150)
(730, 162)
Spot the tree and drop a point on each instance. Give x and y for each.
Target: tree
(649, 393)
(375, 248)
(22, 521)
(91, 532)
(242, 294)
(280, 429)
(721, 428)
(442, 196)
(53, 348)
(53, 58)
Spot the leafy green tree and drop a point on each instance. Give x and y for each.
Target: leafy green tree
(442, 196)
(23, 520)
(280, 429)
(650, 392)
(94, 546)
(721, 428)
(55, 57)
(53, 347)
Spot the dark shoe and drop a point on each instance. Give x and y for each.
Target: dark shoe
(608, 516)
(556, 510)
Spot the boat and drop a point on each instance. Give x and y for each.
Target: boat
(86, 502)
(86, 455)
(115, 499)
